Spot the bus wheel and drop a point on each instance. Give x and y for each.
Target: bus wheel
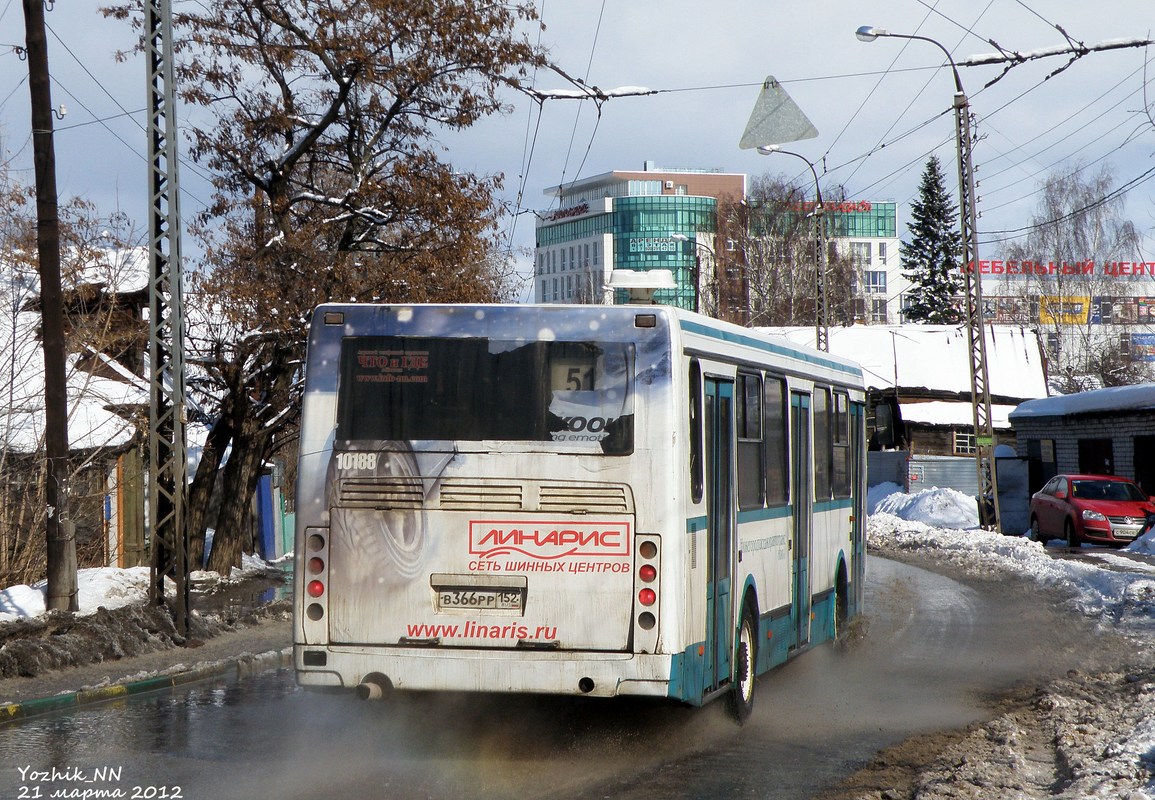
(745, 655)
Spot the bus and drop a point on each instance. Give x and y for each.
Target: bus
(579, 500)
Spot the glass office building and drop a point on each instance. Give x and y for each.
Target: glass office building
(668, 219)
(642, 221)
(644, 239)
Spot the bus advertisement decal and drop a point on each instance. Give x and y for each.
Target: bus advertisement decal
(471, 629)
(548, 539)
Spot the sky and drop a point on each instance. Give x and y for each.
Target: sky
(880, 108)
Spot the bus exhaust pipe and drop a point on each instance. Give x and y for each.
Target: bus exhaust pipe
(374, 687)
(586, 685)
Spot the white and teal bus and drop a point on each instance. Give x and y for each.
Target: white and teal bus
(585, 500)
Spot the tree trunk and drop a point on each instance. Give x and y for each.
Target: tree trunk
(242, 471)
(200, 493)
(246, 423)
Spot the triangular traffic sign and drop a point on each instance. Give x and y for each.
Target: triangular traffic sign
(776, 119)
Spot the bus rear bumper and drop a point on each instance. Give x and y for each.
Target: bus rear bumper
(441, 669)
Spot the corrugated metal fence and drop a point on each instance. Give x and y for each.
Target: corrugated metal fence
(918, 472)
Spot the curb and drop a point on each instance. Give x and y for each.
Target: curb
(239, 667)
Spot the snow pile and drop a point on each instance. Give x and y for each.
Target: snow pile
(250, 566)
(940, 508)
(1144, 544)
(109, 587)
(101, 586)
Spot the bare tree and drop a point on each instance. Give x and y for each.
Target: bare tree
(773, 231)
(1066, 270)
(320, 123)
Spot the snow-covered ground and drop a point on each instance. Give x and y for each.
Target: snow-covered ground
(1102, 728)
(108, 587)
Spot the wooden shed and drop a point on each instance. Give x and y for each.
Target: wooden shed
(918, 380)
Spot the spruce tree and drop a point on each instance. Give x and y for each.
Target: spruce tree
(930, 261)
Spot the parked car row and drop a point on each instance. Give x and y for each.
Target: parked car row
(1103, 509)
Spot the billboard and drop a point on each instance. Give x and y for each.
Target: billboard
(1143, 347)
(1064, 310)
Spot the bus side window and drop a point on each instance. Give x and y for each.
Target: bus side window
(841, 443)
(751, 481)
(775, 430)
(697, 479)
(822, 443)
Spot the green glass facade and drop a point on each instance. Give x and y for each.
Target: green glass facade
(563, 232)
(643, 228)
(880, 221)
(843, 221)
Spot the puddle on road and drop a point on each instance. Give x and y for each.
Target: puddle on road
(243, 596)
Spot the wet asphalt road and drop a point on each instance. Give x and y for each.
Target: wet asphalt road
(931, 651)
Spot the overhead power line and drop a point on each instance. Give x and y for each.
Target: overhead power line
(1111, 195)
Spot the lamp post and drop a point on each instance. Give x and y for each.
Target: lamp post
(681, 237)
(821, 316)
(968, 218)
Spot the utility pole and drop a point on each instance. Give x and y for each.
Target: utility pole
(59, 531)
(985, 462)
(166, 440)
(989, 516)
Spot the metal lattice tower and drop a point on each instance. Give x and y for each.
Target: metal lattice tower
(980, 390)
(822, 311)
(166, 448)
(980, 393)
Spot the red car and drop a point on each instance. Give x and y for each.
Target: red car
(1089, 508)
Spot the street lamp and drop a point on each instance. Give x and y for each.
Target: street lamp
(681, 237)
(968, 218)
(821, 318)
(868, 34)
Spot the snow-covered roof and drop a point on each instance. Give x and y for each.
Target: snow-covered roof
(943, 412)
(120, 270)
(91, 420)
(936, 357)
(92, 401)
(1139, 397)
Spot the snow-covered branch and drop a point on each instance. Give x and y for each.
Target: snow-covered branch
(589, 93)
(1077, 50)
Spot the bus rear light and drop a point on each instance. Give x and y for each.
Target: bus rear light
(315, 588)
(315, 566)
(647, 588)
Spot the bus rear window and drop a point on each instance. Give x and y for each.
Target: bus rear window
(422, 388)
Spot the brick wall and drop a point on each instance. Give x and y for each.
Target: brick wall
(1121, 430)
